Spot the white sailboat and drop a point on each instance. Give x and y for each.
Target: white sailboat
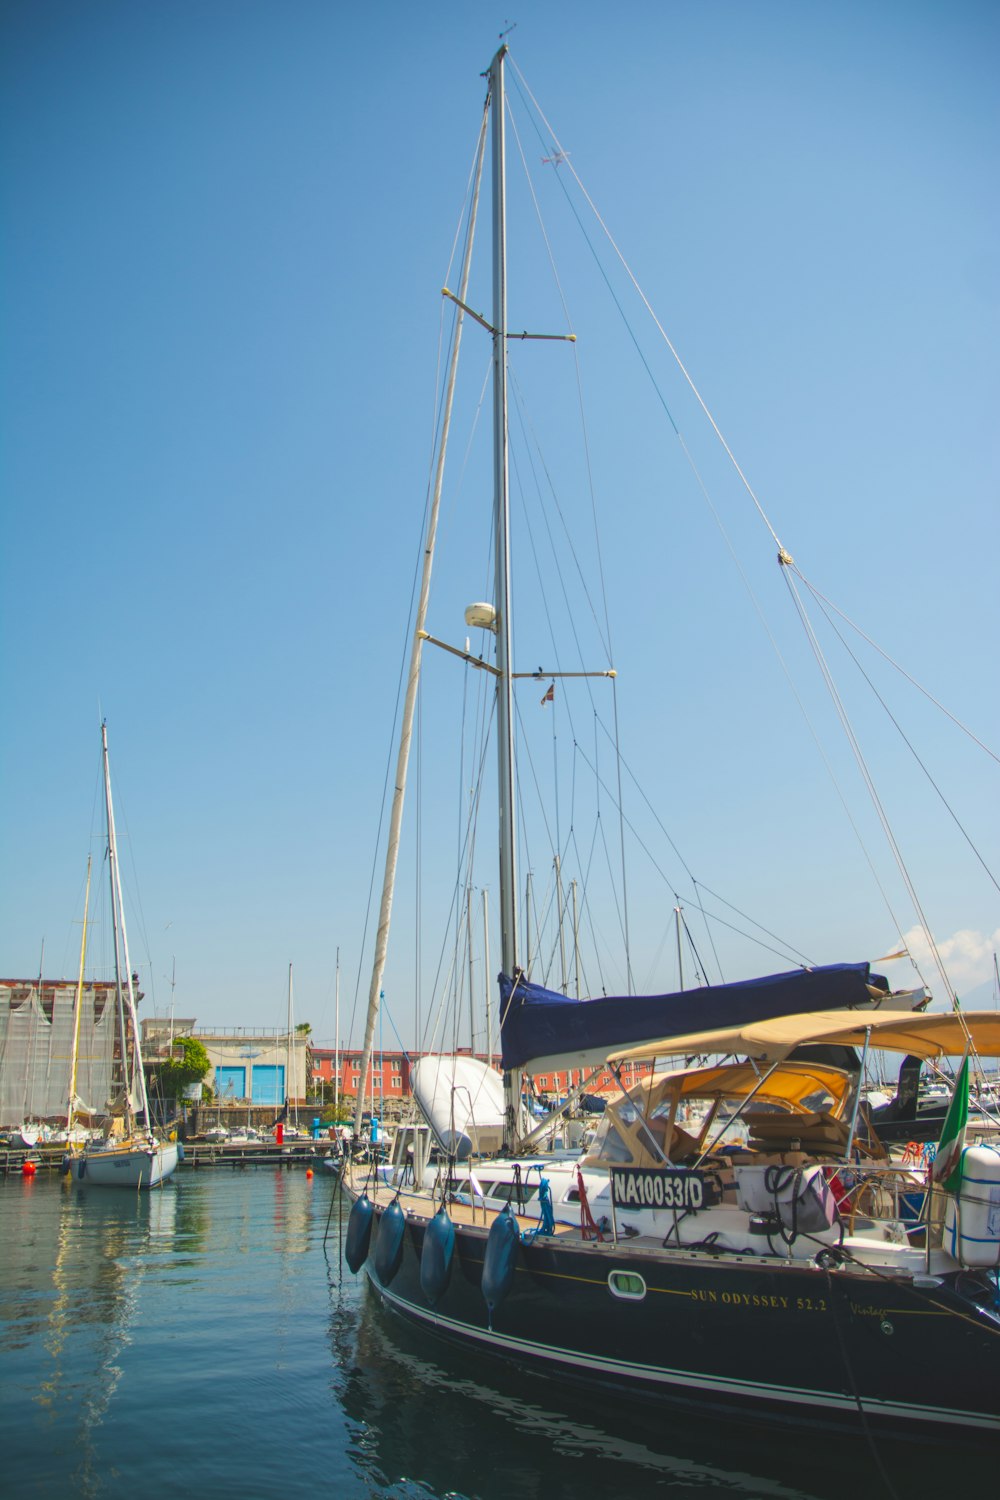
(128, 1154)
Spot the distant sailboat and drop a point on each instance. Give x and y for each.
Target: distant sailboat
(128, 1154)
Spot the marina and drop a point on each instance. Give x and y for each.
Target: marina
(648, 1138)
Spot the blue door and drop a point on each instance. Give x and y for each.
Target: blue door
(268, 1084)
(231, 1083)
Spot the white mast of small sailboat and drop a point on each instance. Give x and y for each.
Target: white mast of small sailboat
(336, 1044)
(290, 1053)
(128, 1020)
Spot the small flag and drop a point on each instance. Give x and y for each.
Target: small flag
(550, 696)
(947, 1165)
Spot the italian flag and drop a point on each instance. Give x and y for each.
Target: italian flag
(947, 1165)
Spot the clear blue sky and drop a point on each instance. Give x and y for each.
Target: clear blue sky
(225, 229)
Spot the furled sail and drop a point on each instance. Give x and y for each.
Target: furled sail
(541, 1028)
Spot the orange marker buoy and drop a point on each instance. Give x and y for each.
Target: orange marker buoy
(309, 1171)
(28, 1169)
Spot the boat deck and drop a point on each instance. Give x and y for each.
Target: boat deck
(358, 1179)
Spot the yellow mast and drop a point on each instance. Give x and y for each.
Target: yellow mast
(77, 1008)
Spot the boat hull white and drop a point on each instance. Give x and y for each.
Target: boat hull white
(129, 1166)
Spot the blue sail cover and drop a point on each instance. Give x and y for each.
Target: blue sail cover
(541, 1027)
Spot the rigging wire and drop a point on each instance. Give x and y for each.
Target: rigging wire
(624, 879)
(659, 326)
(580, 403)
(783, 556)
(906, 741)
(872, 791)
(829, 604)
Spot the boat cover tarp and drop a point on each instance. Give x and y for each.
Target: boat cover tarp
(541, 1027)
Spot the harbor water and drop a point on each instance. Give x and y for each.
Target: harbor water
(209, 1338)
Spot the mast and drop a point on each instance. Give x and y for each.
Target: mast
(289, 1051)
(77, 1007)
(561, 916)
(336, 1044)
(128, 1020)
(410, 701)
(487, 978)
(501, 518)
(472, 970)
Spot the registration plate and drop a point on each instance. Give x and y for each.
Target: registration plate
(640, 1187)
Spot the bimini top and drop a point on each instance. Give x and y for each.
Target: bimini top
(945, 1034)
(540, 1028)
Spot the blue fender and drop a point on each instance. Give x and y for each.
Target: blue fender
(500, 1260)
(435, 1258)
(389, 1245)
(359, 1232)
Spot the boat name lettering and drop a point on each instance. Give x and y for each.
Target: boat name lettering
(635, 1187)
(743, 1299)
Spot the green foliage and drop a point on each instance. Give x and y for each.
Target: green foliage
(177, 1073)
(341, 1116)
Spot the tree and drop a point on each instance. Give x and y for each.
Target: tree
(175, 1074)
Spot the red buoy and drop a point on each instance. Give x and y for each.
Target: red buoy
(309, 1171)
(28, 1169)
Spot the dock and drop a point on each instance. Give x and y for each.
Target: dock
(198, 1156)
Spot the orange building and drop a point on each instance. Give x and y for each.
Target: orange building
(392, 1076)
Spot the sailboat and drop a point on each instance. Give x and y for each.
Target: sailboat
(128, 1153)
(794, 1272)
(286, 1126)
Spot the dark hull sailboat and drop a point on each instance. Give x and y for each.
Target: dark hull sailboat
(792, 1270)
(803, 1276)
(735, 1333)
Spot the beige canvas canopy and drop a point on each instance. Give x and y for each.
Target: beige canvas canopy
(922, 1035)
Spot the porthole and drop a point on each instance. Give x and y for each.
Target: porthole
(627, 1285)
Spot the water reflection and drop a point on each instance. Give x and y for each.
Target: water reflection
(81, 1257)
(418, 1413)
(200, 1332)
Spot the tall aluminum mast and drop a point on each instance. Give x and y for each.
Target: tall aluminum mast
(501, 511)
